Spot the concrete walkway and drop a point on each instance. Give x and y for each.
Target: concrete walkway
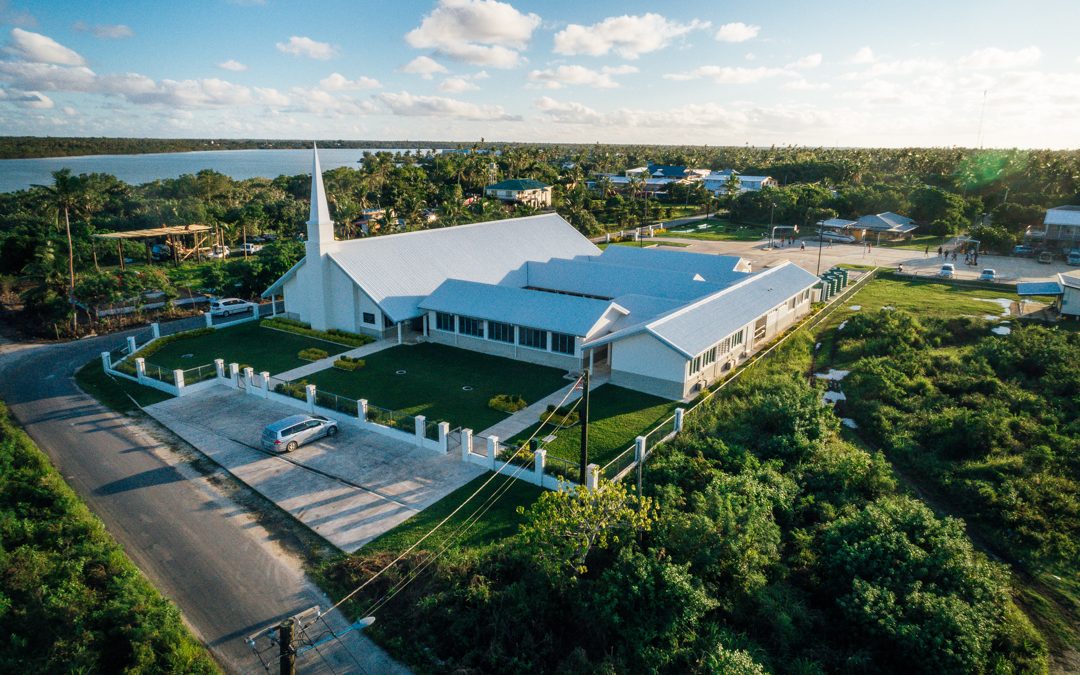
(323, 364)
(526, 417)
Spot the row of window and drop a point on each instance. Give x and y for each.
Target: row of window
(533, 338)
(717, 351)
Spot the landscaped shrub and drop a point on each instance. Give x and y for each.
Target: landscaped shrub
(509, 403)
(332, 335)
(296, 389)
(313, 354)
(562, 417)
(349, 363)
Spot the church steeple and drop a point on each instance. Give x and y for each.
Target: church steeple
(320, 227)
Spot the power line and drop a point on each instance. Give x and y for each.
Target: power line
(419, 541)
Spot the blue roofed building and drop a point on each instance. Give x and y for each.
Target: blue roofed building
(534, 289)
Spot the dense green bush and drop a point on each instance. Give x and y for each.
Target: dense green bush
(332, 335)
(349, 363)
(312, 354)
(70, 600)
(509, 403)
(562, 417)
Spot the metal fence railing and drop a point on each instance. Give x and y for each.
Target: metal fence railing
(431, 430)
(391, 418)
(200, 373)
(342, 404)
(517, 455)
(560, 467)
(159, 373)
(280, 386)
(619, 464)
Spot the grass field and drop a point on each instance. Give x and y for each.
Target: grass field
(720, 230)
(648, 244)
(249, 344)
(434, 380)
(116, 393)
(616, 417)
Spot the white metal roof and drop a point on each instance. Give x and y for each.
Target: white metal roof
(537, 309)
(400, 270)
(609, 281)
(838, 223)
(883, 222)
(1062, 215)
(1070, 279)
(694, 327)
(714, 268)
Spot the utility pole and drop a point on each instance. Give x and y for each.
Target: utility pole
(820, 238)
(287, 658)
(584, 425)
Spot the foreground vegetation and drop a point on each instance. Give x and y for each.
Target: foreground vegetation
(70, 600)
(763, 542)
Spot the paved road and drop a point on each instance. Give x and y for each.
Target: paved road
(202, 550)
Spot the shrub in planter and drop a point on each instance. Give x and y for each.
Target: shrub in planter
(313, 354)
(332, 335)
(296, 389)
(562, 417)
(349, 363)
(509, 403)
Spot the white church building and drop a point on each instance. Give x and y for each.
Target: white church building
(534, 289)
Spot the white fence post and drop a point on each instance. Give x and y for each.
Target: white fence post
(178, 379)
(539, 459)
(106, 361)
(140, 368)
(209, 319)
(492, 451)
(419, 427)
(466, 444)
(679, 412)
(361, 411)
(155, 330)
(592, 476)
(639, 449)
(131, 344)
(265, 377)
(219, 369)
(444, 432)
(234, 374)
(249, 380)
(309, 394)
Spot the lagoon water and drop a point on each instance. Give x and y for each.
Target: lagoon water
(19, 174)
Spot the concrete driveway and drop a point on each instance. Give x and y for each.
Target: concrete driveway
(349, 489)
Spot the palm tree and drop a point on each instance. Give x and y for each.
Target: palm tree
(67, 194)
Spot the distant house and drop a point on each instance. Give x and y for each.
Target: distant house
(717, 182)
(887, 223)
(521, 191)
(1065, 290)
(1061, 229)
(369, 218)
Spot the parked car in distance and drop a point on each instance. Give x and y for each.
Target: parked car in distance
(1046, 257)
(836, 236)
(160, 251)
(947, 270)
(988, 275)
(229, 306)
(1023, 250)
(1074, 257)
(250, 249)
(220, 252)
(290, 433)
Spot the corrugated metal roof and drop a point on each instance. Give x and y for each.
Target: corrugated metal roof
(610, 281)
(838, 223)
(400, 270)
(517, 184)
(536, 309)
(691, 329)
(1038, 288)
(1070, 279)
(1062, 215)
(714, 268)
(883, 222)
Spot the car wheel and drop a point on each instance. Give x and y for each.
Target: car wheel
(331, 431)
(291, 446)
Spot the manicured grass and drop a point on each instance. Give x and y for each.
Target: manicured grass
(636, 244)
(499, 522)
(616, 417)
(248, 344)
(433, 382)
(115, 392)
(719, 230)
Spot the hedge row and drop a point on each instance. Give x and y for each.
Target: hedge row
(333, 335)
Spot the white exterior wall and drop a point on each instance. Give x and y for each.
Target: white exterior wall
(643, 363)
(510, 351)
(340, 300)
(364, 303)
(294, 301)
(1070, 301)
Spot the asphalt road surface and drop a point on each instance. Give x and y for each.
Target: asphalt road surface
(202, 550)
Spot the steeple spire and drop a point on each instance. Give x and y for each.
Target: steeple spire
(320, 212)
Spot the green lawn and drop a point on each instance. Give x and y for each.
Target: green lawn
(637, 244)
(433, 382)
(719, 230)
(249, 344)
(116, 393)
(616, 417)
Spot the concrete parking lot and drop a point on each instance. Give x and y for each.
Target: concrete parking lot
(349, 489)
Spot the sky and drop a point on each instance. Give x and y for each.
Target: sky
(987, 73)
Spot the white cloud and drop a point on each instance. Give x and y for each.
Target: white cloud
(338, 82)
(305, 46)
(737, 32)
(51, 77)
(271, 96)
(105, 31)
(862, 55)
(728, 74)
(16, 17)
(568, 112)
(482, 32)
(627, 36)
(34, 100)
(424, 66)
(574, 75)
(454, 85)
(38, 48)
(804, 85)
(994, 57)
(233, 65)
(808, 61)
(408, 105)
(325, 104)
(70, 111)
